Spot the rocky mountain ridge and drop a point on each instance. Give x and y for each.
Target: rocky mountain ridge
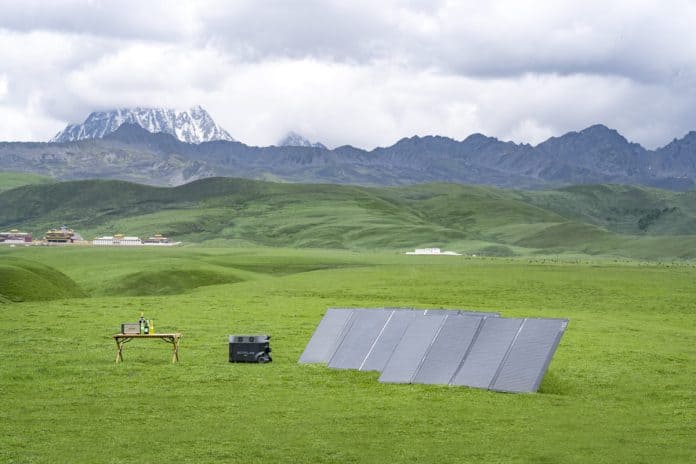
(293, 139)
(594, 155)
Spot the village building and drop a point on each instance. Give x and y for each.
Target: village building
(14, 236)
(159, 239)
(432, 251)
(117, 240)
(63, 235)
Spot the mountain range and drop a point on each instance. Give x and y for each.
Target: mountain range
(596, 154)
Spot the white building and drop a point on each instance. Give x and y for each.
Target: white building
(432, 251)
(117, 240)
(159, 240)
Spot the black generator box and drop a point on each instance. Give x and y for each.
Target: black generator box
(250, 348)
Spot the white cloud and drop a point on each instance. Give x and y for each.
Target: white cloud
(3, 86)
(356, 72)
(150, 20)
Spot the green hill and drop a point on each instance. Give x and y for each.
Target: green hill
(594, 219)
(25, 280)
(10, 180)
(622, 208)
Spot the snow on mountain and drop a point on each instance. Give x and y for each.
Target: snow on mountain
(192, 126)
(293, 139)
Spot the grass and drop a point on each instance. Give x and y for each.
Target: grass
(620, 388)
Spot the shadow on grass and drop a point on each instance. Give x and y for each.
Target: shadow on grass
(282, 269)
(554, 384)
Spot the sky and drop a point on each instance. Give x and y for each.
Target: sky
(356, 72)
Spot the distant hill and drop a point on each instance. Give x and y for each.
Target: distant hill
(10, 180)
(596, 155)
(589, 219)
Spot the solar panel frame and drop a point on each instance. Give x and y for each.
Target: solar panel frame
(460, 312)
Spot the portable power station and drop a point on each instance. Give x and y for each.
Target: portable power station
(250, 348)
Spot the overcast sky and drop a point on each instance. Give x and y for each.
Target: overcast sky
(356, 72)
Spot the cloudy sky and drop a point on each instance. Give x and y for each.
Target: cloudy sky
(356, 72)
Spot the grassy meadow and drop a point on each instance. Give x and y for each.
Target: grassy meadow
(620, 387)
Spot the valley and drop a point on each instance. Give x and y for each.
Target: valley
(595, 220)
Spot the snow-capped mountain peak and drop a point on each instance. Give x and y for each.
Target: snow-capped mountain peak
(192, 126)
(293, 139)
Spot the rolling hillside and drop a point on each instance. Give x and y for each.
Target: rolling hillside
(27, 280)
(601, 219)
(10, 180)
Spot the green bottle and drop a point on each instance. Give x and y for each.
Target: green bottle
(147, 327)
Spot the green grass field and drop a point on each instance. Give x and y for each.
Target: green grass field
(620, 388)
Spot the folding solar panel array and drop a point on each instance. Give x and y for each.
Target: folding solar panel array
(449, 347)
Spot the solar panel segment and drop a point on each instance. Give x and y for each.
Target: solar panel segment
(364, 329)
(326, 336)
(529, 356)
(487, 352)
(445, 354)
(411, 349)
(392, 332)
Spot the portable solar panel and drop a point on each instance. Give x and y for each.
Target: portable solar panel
(438, 346)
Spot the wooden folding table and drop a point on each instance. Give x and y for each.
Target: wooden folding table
(172, 338)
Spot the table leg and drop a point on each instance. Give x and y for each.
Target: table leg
(175, 350)
(119, 351)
